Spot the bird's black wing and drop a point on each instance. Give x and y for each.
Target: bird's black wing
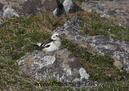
(45, 44)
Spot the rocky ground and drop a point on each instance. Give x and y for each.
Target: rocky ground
(66, 68)
(117, 10)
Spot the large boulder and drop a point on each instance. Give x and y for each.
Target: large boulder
(61, 65)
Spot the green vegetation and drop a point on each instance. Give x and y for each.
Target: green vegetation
(95, 25)
(17, 34)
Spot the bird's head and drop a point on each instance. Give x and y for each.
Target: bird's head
(55, 36)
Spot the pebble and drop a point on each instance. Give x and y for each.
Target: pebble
(118, 64)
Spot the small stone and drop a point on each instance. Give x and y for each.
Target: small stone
(118, 64)
(8, 12)
(70, 6)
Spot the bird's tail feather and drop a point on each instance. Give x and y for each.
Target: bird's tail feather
(38, 44)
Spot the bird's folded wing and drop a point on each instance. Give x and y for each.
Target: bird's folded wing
(46, 43)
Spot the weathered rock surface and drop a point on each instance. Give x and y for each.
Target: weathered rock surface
(117, 10)
(61, 65)
(28, 7)
(9, 8)
(117, 49)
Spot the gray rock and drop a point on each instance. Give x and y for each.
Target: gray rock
(117, 49)
(70, 6)
(8, 12)
(67, 6)
(61, 65)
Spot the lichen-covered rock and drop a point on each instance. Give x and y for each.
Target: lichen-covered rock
(117, 49)
(61, 65)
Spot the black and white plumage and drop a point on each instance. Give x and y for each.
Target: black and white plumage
(51, 44)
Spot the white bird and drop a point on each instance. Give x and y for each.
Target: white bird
(51, 44)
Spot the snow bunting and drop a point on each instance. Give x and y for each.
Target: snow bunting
(51, 44)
